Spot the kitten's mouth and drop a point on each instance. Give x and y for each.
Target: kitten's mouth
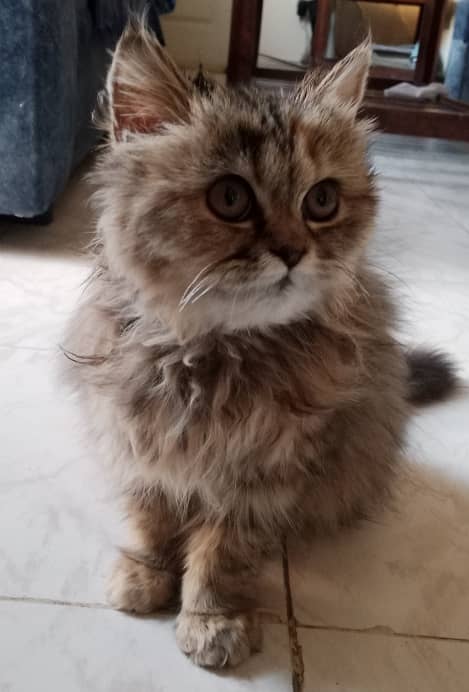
(275, 288)
(284, 283)
(252, 287)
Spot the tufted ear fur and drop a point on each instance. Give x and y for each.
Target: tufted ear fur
(145, 89)
(344, 85)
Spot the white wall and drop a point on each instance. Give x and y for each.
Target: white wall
(198, 31)
(282, 34)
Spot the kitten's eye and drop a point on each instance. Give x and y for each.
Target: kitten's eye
(322, 201)
(231, 199)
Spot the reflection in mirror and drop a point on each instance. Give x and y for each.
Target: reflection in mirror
(288, 29)
(286, 33)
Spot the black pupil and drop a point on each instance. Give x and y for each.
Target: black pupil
(231, 196)
(322, 197)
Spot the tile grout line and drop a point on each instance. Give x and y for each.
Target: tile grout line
(25, 348)
(296, 653)
(37, 349)
(53, 602)
(384, 631)
(292, 623)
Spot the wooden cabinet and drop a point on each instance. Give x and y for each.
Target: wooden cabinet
(446, 118)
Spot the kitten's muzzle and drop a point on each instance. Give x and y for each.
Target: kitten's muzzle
(288, 254)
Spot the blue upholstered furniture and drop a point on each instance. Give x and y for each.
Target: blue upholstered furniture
(457, 74)
(53, 58)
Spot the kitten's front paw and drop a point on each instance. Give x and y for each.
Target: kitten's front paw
(138, 588)
(218, 640)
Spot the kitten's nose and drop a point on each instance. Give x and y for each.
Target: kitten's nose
(290, 255)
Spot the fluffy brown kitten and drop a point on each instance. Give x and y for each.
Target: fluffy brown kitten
(233, 350)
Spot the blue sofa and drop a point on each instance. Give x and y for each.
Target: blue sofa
(53, 57)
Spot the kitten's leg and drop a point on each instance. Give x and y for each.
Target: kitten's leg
(217, 625)
(146, 575)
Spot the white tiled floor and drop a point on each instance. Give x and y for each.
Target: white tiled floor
(379, 609)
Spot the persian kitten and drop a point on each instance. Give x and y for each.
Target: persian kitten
(233, 350)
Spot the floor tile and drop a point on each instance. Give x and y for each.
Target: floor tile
(415, 236)
(421, 160)
(55, 541)
(91, 650)
(58, 514)
(453, 199)
(42, 269)
(407, 570)
(423, 256)
(367, 662)
(38, 293)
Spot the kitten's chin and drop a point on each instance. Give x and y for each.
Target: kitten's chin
(280, 304)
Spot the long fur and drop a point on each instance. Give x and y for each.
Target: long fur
(432, 376)
(233, 401)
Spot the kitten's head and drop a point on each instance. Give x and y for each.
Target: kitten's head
(233, 208)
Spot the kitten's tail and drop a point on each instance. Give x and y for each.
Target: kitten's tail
(432, 377)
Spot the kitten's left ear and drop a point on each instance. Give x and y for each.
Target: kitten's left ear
(344, 85)
(145, 88)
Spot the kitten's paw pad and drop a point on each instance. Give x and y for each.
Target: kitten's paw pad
(138, 588)
(216, 641)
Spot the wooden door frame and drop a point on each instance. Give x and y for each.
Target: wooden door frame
(246, 18)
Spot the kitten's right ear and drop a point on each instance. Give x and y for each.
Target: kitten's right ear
(344, 85)
(145, 88)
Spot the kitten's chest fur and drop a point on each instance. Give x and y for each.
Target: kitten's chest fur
(235, 412)
(267, 428)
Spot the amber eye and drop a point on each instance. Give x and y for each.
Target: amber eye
(231, 199)
(322, 201)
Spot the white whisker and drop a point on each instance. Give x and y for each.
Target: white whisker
(200, 275)
(204, 292)
(194, 290)
(198, 286)
(198, 291)
(235, 297)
